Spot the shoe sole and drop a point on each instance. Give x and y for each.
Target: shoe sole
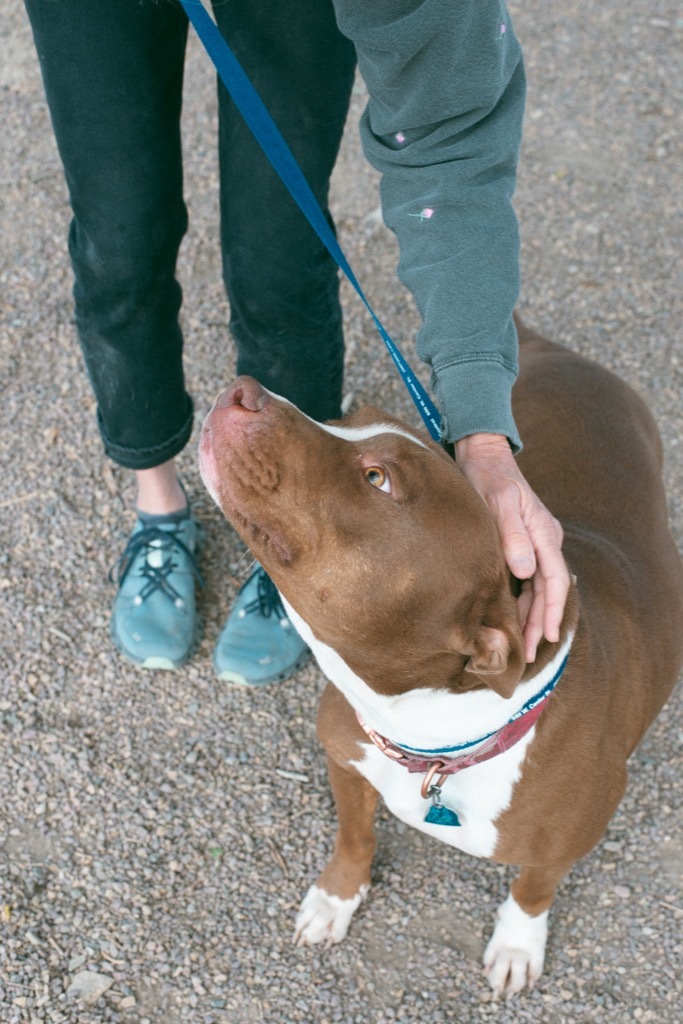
(156, 663)
(236, 679)
(165, 664)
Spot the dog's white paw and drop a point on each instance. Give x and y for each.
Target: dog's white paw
(325, 918)
(514, 957)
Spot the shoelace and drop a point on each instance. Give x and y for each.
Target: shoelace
(154, 539)
(267, 601)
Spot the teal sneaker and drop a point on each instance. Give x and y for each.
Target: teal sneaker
(258, 644)
(155, 620)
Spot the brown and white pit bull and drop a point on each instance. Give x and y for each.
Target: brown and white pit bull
(391, 568)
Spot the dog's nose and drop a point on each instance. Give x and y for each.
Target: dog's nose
(245, 392)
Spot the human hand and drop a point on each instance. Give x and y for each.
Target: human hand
(531, 536)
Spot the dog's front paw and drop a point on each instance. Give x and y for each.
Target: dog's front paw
(514, 957)
(325, 918)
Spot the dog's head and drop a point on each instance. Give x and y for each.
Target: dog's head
(374, 537)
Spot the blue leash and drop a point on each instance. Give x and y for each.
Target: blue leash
(267, 134)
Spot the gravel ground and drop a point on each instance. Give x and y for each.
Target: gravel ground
(158, 830)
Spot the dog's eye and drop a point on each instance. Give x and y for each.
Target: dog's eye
(376, 476)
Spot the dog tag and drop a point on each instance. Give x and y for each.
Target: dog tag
(440, 815)
(437, 813)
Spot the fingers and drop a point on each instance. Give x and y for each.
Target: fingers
(550, 582)
(556, 581)
(532, 542)
(524, 602)
(533, 631)
(518, 547)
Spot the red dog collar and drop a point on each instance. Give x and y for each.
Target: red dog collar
(432, 762)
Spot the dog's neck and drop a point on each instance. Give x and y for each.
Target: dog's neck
(452, 758)
(428, 717)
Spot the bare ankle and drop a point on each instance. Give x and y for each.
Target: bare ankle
(159, 490)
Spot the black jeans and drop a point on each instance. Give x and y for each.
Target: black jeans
(113, 74)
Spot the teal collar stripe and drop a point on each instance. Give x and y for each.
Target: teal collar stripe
(532, 703)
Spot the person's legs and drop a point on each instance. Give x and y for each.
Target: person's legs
(282, 284)
(113, 77)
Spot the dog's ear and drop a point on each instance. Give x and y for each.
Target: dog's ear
(495, 653)
(496, 657)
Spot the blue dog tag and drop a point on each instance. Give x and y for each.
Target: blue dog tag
(437, 813)
(440, 815)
